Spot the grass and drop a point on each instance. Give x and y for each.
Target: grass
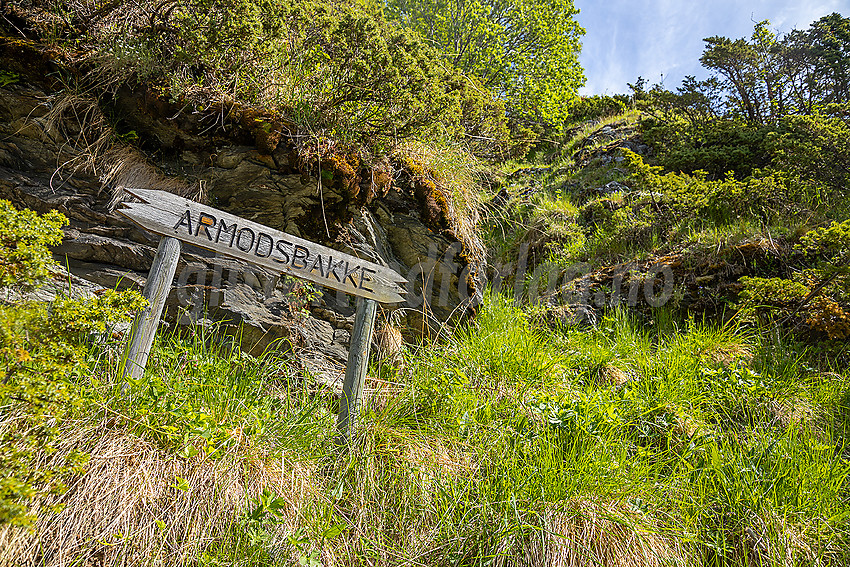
(580, 137)
(508, 444)
(457, 175)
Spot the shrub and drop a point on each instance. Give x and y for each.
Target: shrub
(816, 148)
(595, 107)
(833, 239)
(661, 205)
(24, 237)
(335, 69)
(778, 300)
(763, 297)
(716, 146)
(41, 351)
(817, 299)
(829, 312)
(721, 201)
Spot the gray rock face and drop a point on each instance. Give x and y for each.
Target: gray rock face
(42, 168)
(606, 143)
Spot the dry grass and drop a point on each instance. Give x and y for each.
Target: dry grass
(457, 175)
(763, 542)
(727, 354)
(796, 414)
(389, 345)
(610, 534)
(91, 145)
(125, 167)
(586, 533)
(613, 376)
(437, 460)
(128, 510)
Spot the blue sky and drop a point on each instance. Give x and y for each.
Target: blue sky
(628, 38)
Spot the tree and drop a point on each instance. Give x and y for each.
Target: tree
(524, 51)
(769, 77)
(752, 70)
(768, 52)
(818, 62)
(734, 61)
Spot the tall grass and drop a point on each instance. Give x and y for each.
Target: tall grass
(509, 444)
(202, 393)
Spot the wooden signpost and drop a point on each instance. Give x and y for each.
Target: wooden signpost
(178, 219)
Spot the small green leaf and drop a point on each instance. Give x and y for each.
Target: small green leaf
(188, 451)
(333, 531)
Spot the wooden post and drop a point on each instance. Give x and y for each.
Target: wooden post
(156, 291)
(358, 364)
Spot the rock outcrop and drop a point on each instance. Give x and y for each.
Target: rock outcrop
(63, 151)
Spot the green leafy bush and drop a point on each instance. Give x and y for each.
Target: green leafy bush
(763, 297)
(595, 107)
(42, 349)
(834, 238)
(649, 208)
(829, 309)
(337, 69)
(817, 148)
(816, 299)
(813, 307)
(716, 146)
(722, 201)
(24, 237)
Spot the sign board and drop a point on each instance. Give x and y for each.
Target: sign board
(170, 215)
(178, 220)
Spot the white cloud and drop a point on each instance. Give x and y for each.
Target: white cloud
(626, 39)
(799, 15)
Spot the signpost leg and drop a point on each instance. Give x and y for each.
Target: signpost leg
(156, 291)
(358, 364)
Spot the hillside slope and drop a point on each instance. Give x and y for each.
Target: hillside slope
(630, 351)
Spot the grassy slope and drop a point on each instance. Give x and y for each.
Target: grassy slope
(675, 443)
(679, 445)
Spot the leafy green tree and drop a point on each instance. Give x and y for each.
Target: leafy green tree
(735, 61)
(697, 102)
(752, 70)
(801, 68)
(830, 40)
(817, 63)
(524, 51)
(768, 77)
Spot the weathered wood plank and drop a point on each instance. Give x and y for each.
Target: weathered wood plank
(358, 364)
(146, 322)
(170, 215)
